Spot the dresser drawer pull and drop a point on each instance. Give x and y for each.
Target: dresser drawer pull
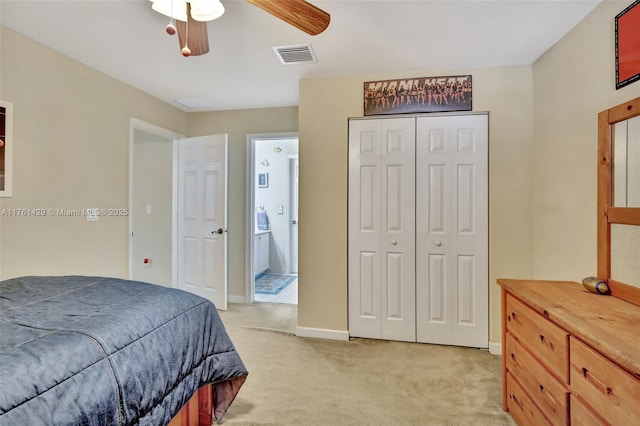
(518, 403)
(516, 362)
(550, 397)
(596, 382)
(547, 342)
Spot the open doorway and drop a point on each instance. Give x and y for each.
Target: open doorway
(151, 205)
(273, 222)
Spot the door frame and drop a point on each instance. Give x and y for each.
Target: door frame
(291, 161)
(250, 218)
(137, 124)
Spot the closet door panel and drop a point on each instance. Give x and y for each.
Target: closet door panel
(433, 212)
(452, 206)
(398, 238)
(364, 229)
(470, 241)
(382, 228)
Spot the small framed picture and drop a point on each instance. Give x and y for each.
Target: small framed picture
(263, 180)
(627, 35)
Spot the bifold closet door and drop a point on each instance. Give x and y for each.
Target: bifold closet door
(452, 230)
(382, 228)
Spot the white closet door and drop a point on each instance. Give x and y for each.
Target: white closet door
(382, 228)
(452, 230)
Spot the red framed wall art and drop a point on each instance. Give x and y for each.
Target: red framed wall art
(627, 31)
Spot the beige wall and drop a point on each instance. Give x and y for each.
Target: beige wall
(71, 140)
(237, 124)
(505, 92)
(573, 82)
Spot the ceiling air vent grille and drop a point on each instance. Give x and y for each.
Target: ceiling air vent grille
(296, 54)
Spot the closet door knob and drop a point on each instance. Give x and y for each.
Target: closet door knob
(394, 242)
(438, 243)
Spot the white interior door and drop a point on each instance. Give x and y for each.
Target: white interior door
(452, 230)
(382, 228)
(293, 205)
(202, 217)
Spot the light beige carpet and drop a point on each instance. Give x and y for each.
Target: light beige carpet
(303, 381)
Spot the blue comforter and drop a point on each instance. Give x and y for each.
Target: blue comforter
(103, 351)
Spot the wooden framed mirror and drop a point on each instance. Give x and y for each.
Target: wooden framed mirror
(612, 211)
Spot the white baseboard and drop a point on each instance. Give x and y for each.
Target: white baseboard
(236, 299)
(495, 348)
(322, 333)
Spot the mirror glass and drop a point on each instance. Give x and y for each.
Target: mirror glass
(626, 163)
(625, 246)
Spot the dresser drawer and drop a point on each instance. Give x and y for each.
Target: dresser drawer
(604, 385)
(581, 415)
(521, 407)
(545, 340)
(544, 389)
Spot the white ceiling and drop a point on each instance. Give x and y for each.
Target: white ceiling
(126, 40)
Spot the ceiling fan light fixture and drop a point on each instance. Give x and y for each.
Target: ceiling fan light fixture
(206, 10)
(176, 9)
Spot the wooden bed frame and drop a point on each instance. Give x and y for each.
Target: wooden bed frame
(197, 411)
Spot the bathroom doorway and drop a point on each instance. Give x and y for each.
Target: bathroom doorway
(273, 225)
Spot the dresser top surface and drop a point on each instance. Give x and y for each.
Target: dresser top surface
(606, 323)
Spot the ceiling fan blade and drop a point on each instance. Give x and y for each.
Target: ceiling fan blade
(299, 13)
(198, 38)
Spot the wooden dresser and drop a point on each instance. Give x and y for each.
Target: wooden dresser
(569, 356)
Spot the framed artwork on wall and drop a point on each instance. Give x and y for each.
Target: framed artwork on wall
(627, 24)
(6, 147)
(417, 95)
(263, 180)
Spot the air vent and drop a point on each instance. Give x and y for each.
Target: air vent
(296, 54)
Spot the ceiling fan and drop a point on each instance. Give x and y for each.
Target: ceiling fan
(192, 15)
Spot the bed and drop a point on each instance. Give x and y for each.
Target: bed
(79, 350)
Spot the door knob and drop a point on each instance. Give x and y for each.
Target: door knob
(219, 231)
(294, 221)
(394, 242)
(438, 243)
